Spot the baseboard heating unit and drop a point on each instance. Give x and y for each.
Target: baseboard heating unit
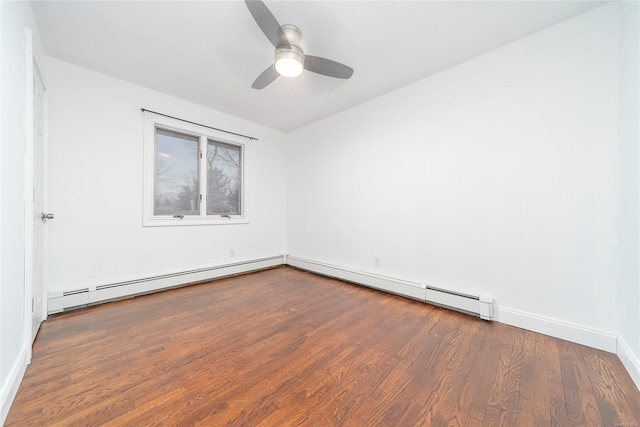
(477, 305)
(65, 300)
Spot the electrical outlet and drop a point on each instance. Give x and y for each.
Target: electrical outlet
(376, 261)
(232, 253)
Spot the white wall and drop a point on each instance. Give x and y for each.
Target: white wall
(95, 186)
(629, 215)
(14, 340)
(496, 177)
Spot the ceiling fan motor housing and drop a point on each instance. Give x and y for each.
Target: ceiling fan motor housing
(293, 33)
(293, 50)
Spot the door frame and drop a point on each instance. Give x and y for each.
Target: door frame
(31, 58)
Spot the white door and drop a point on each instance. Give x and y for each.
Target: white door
(38, 311)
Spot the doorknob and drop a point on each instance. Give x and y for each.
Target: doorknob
(46, 216)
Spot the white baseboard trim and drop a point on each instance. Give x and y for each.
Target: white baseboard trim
(10, 387)
(630, 360)
(478, 305)
(64, 300)
(579, 334)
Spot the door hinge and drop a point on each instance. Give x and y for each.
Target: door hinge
(201, 197)
(34, 84)
(200, 154)
(33, 305)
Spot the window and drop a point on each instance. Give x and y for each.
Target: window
(193, 175)
(224, 181)
(176, 177)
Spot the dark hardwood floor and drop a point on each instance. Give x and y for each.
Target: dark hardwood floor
(284, 347)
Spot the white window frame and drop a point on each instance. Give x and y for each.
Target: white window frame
(151, 122)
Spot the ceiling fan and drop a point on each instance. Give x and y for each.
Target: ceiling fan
(290, 60)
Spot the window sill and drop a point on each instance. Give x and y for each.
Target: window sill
(181, 222)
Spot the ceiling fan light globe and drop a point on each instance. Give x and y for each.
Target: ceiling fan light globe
(288, 67)
(289, 60)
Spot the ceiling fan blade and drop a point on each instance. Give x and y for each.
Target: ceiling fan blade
(267, 22)
(327, 67)
(265, 78)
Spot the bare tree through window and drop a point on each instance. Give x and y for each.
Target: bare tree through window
(224, 178)
(176, 174)
(193, 174)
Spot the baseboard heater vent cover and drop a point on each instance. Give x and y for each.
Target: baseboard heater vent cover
(66, 300)
(477, 305)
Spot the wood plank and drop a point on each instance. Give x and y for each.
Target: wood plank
(582, 408)
(285, 347)
(434, 403)
(542, 400)
(503, 406)
(359, 377)
(417, 368)
(607, 378)
(473, 394)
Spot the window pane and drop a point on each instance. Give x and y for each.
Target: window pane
(176, 174)
(224, 178)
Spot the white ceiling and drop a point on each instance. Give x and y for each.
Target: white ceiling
(209, 52)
